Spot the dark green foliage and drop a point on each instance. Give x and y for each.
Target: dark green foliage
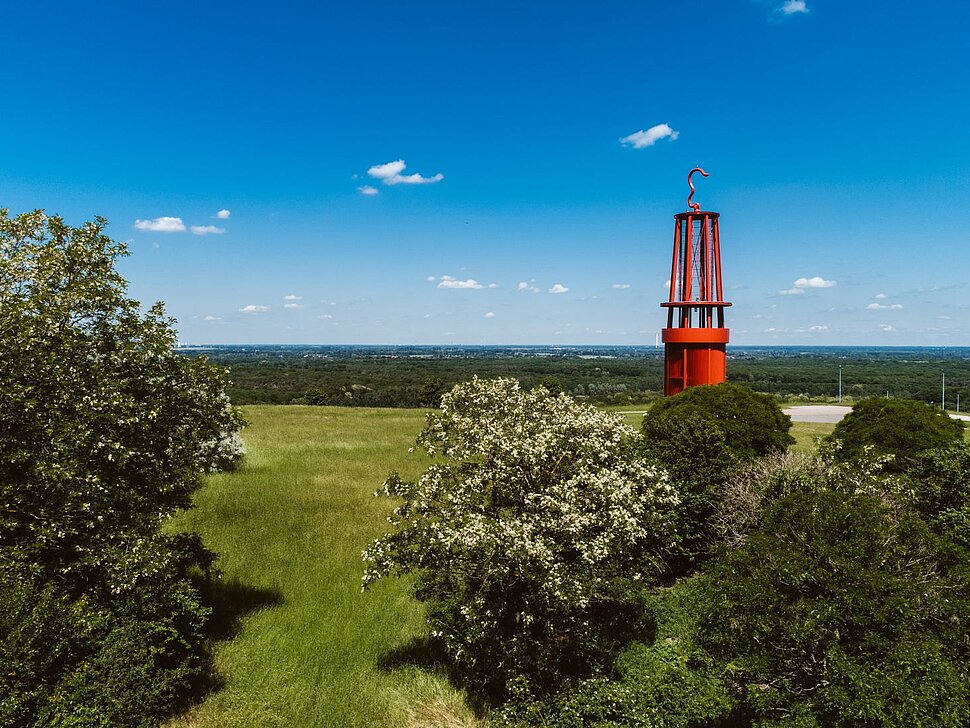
(666, 682)
(693, 451)
(835, 614)
(898, 427)
(316, 396)
(941, 483)
(431, 390)
(752, 423)
(552, 385)
(104, 434)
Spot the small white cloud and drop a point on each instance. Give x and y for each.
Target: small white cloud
(792, 292)
(792, 7)
(818, 328)
(880, 295)
(162, 225)
(641, 139)
(207, 230)
(944, 317)
(292, 297)
(212, 318)
(621, 285)
(490, 314)
(470, 283)
(814, 282)
(390, 174)
(559, 288)
(431, 278)
(367, 190)
(527, 287)
(292, 306)
(884, 306)
(324, 316)
(223, 214)
(254, 308)
(886, 327)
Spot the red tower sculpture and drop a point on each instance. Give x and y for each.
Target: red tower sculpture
(695, 339)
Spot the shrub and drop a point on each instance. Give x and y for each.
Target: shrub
(752, 423)
(941, 484)
(835, 614)
(898, 427)
(693, 450)
(530, 536)
(104, 434)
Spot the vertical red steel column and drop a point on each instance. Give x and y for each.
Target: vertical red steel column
(695, 348)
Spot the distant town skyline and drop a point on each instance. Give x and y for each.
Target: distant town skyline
(440, 173)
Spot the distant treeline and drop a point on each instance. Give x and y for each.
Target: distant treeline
(408, 377)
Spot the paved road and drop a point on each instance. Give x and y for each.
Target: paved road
(817, 412)
(832, 413)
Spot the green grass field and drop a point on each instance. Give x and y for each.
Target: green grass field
(289, 526)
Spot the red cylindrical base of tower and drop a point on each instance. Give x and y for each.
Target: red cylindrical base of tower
(694, 356)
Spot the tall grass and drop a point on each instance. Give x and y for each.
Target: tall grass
(289, 527)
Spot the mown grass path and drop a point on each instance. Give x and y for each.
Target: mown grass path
(289, 527)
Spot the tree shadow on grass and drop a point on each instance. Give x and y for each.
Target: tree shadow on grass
(231, 601)
(429, 655)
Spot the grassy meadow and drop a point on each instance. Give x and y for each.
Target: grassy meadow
(289, 526)
(307, 648)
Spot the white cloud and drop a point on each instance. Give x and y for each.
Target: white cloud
(641, 139)
(207, 230)
(292, 306)
(431, 278)
(212, 318)
(223, 214)
(527, 287)
(162, 225)
(621, 285)
(390, 174)
(886, 327)
(324, 316)
(667, 284)
(490, 314)
(470, 283)
(791, 7)
(884, 306)
(880, 295)
(792, 292)
(367, 190)
(254, 308)
(559, 288)
(814, 282)
(944, 317)
(818, 328)
(292, 297)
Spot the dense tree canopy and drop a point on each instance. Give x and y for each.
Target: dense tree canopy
(104, 433)
(752, 423)
(899, 427)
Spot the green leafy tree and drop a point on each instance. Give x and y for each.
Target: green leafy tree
(552, 384)
(531, 534)
(899, 427)
(835, 613)
(752, 423)
(429, 395)
(104, 433)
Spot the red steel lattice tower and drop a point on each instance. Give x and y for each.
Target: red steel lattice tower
(695, 339)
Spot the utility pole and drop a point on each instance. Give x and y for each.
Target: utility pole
(840, 382)
(943, 396)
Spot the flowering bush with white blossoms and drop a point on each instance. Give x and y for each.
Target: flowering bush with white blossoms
(530, 535)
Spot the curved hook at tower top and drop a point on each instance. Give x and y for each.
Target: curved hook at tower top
(695, 206)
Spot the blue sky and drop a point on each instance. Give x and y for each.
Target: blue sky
(441, 172)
